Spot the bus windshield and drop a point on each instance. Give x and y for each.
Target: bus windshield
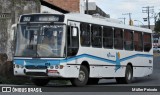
(40, 40)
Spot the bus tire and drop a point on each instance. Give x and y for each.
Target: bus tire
(128, 76)
(93, 81)
(40, 82)
(82, 78)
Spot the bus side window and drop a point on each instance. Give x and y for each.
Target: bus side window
(96, 36)
(85, 34)
(138, 44)
(128, 40)
(147, 42)
(118, 38)
(72, 41)
(107, 37)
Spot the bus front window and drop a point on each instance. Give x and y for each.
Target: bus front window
(40, 40)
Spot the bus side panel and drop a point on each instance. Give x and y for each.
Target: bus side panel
(102, 69)
(94, 70)
(70, 71)
(142, 69)
(109, 71)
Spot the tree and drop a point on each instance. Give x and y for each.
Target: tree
(157, 27)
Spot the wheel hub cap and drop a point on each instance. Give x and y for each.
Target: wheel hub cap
(81, 76)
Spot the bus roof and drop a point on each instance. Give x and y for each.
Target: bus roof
(94, 20)
(103, 21)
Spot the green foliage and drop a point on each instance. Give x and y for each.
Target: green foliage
(157, 27)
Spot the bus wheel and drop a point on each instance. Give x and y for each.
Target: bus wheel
(128, 76)
(92, 81)
(82, 78)
(40, 82)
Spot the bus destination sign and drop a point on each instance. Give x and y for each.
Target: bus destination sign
(42, 18)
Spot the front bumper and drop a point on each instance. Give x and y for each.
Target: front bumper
(65, 72)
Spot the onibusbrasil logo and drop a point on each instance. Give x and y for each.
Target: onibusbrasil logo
(21, 89)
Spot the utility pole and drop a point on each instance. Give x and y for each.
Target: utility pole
(130, 19)
(148, 10)
(86, 6)
(124, 20)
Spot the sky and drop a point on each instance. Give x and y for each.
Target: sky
(118, 7)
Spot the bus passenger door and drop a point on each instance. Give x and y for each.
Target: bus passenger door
(72, 41)
(72, 50)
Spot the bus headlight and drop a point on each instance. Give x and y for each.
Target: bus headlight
(51, 67)
(56, 67)
(59, 67)
(19, 66)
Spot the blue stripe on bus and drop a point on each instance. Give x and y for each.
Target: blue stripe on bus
(57, 62)
(107, 60)
(91, 57)
(136, 55)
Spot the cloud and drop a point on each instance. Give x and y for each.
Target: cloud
(117, 7)
(126, 7)
(143, 2)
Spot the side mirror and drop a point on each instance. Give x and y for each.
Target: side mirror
(74, 32)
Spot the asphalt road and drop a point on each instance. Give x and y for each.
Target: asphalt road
(107, 84)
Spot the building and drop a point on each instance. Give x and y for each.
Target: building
(93, 9)
(156, 40)
(62, 6)
(151, 27)
(156, 37)
(68, 6)
(10, 10)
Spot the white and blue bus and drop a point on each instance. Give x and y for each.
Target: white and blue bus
(80, 48)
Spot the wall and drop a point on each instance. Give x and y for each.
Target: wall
(69, 5)
(10, 10)
(45, 9)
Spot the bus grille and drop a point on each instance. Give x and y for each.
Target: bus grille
(36, 67)
(36, 74)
